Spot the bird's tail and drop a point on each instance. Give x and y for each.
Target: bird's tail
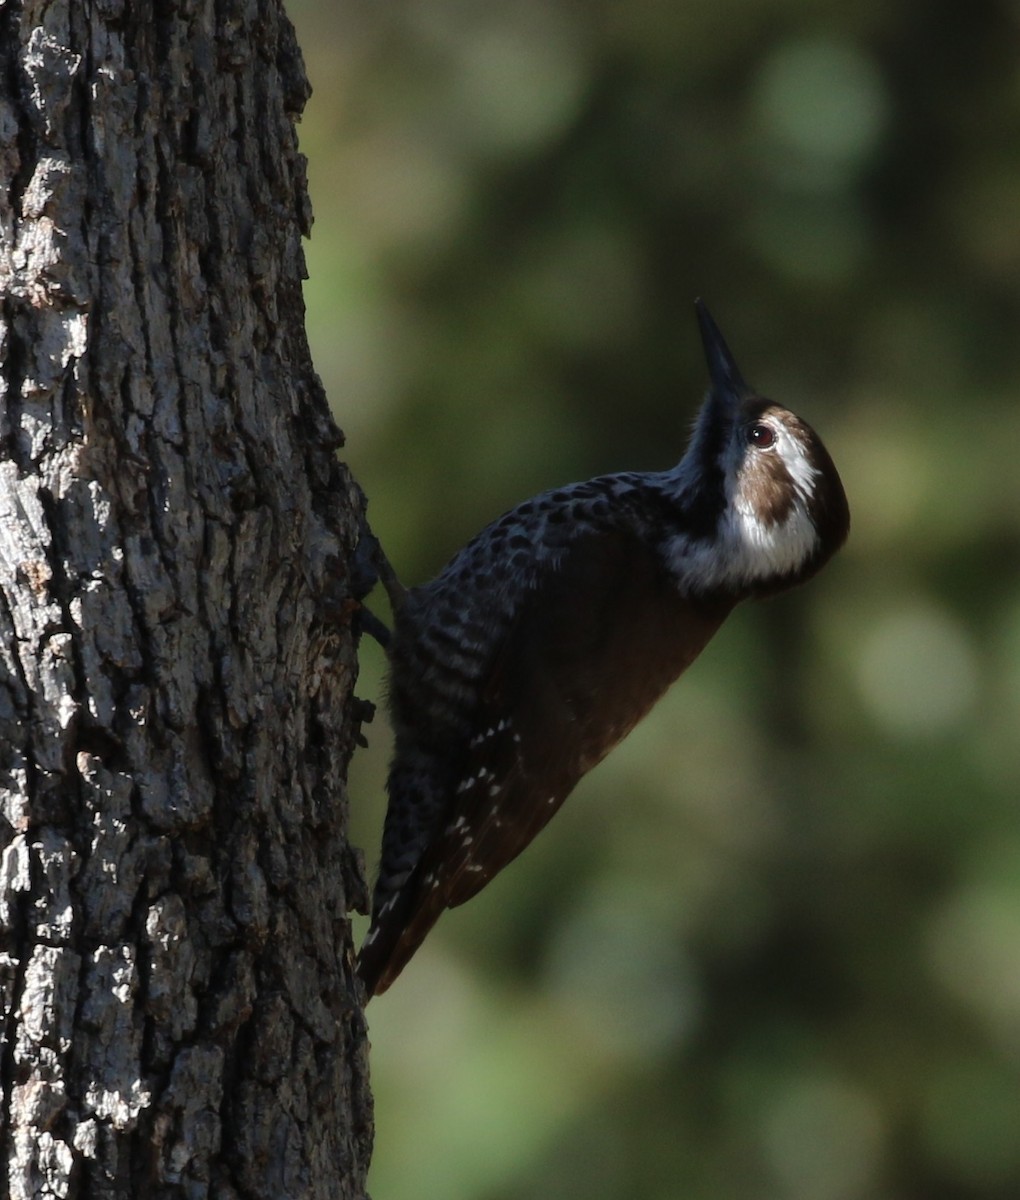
(396, 932)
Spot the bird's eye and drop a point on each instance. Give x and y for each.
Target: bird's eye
(762, 436)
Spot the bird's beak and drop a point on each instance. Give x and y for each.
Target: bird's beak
(727, 382)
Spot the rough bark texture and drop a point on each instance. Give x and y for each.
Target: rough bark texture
(176, 716)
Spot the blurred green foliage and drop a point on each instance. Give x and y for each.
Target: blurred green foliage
(771, 948)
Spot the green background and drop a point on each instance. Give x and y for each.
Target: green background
(770, 949)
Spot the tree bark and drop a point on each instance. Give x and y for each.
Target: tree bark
(176, 708)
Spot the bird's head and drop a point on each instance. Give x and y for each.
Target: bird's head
(767, 507)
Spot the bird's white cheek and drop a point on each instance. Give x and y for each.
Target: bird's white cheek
(802, 471)
(777, 547)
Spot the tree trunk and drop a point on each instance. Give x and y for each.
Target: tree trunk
(176, 709)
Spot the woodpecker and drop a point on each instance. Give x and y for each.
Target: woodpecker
(553, 632)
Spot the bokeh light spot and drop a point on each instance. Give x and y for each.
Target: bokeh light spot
(823, 100)
(823, 1139)
(619, 966)
(974, 945)
(917, 671)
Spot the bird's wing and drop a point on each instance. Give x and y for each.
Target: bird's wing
(596, 644)
(593, 646)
